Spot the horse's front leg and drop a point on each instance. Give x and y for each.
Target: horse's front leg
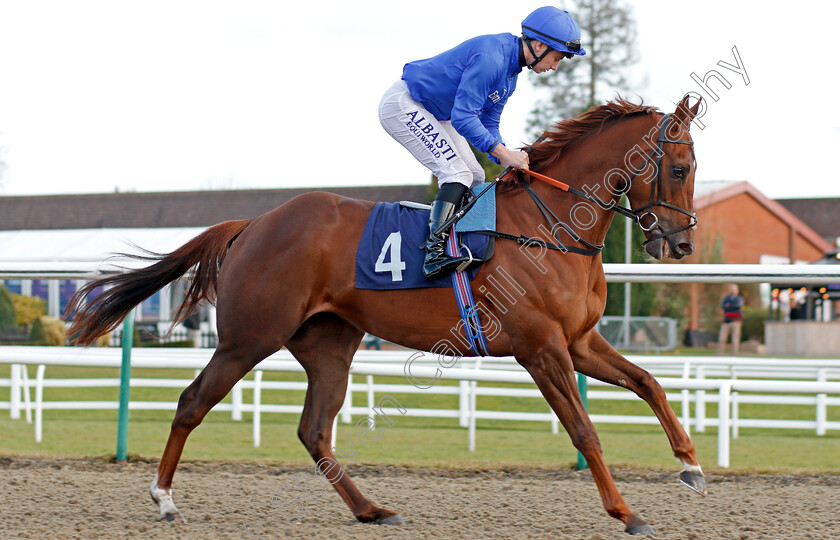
(551, 368)
(595, 357)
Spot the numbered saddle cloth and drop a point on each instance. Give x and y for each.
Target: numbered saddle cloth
(390, 256)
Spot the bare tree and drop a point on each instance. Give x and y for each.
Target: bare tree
(608, 34)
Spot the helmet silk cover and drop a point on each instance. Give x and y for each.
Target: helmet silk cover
(554, 27)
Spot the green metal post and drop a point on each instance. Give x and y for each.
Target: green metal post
(125, 378)
(582, 388)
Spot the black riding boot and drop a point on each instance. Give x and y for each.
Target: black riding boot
(437, 261)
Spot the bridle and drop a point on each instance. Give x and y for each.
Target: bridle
(656, 192)
(636, 215)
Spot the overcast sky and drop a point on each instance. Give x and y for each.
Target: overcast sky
(184, 95)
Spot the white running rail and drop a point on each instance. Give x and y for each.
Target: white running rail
(817, 382)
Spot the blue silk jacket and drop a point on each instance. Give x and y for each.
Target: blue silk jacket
(469, 85)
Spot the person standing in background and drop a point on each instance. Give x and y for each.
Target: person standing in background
(732, 319)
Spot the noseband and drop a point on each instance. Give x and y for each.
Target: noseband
(656, 192)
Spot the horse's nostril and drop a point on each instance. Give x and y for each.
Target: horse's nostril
(686, 247)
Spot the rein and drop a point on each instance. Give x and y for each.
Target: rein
(636, 215)
(551, 217)
(626, 212)
(555, 222)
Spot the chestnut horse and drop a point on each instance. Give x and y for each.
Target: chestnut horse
(286, 278)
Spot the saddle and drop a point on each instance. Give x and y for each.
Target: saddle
(390, 254)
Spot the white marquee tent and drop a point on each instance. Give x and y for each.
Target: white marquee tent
(95, 246)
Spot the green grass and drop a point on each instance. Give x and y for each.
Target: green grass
(425, 442)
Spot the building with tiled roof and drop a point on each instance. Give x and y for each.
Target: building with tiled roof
(92, 227)
(752, 228)
(822, 215)
(169, 209)
(747, 227)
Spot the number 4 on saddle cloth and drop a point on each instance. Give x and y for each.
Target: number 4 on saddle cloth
(389, 255)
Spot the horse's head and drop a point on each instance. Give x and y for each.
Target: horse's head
(663, 200)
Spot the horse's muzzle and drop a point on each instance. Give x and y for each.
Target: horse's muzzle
(668, 246)
(657, 248)
(682, 249)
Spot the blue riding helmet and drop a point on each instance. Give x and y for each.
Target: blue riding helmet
(554, 27)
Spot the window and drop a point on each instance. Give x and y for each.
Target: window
(15, 286)
(66, 288)
(151, 307)
(40, 288)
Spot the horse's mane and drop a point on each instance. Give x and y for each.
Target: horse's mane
(567, 132)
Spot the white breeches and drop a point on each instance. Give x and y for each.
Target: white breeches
(433, 143)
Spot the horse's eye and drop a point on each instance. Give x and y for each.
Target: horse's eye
(679, 172)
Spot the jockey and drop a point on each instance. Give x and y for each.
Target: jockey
(445, 101)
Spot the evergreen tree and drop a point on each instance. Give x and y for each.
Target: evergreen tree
(8, 315)
(38, 335)
(642, 295)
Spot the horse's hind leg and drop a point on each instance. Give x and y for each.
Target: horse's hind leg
(325, 345)
(230, 362)
(595, 357)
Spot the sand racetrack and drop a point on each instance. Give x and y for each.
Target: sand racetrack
(68, 498)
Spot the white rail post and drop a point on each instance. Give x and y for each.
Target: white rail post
(236, 401)
(346, 414)
(734, 415)
(723, 423)
(39, 402)
(821, 404)
(27, 393)
(473, 400)
(370, 402)
(14, 392)
(257, 398)
(471, 434)
(686, 400)
(464, 403)
(700, 404)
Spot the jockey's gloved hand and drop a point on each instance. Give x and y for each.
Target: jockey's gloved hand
(511, 158)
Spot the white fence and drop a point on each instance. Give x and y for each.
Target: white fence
(615, 272)
(686, 380)
(815, 384)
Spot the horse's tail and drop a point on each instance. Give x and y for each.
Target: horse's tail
(122, 292)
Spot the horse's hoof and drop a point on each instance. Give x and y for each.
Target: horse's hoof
(643, 529)
(163, 499)
(396, 519)
(694, 480)
(170, 517)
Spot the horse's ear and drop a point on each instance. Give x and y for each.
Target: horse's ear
(686, 114)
